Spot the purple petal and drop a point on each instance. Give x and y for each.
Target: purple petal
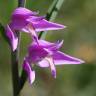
(53, 72)
(35, 19)
(23, 12)
(52, 66)
(12, 37)
(44, 43)
(44, 63)
(30, 72)
(44, 25)
(18, 24)
(32, 33)
(61, 58)
(19, 18)
(48, 62)
(56, 46)
(36, 52)
(49, 45)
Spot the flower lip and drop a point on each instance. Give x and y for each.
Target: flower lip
(52, 65)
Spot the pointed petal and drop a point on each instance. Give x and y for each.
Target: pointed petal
(30, 72)
(56, 46)
(49, 45)
(61, 58)
(44, 25)
(12, 37)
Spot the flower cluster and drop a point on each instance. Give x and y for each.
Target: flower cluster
(40, 52)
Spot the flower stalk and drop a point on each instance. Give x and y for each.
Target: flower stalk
(15, 73)
(15, 61)
(21, 3)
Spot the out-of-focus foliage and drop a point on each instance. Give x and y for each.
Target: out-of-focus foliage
(79, 40)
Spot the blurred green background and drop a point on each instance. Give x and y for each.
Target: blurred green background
(79, 40)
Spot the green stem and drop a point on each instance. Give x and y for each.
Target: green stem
(15, 61)
(51, 14)
(15, 74)
(21, 3)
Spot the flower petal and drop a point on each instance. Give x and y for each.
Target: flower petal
(44, 25)
(52, 66)
(44, 43)
(36, 53)
(49, 45)
(35, 19)
(61, 58)
(44, 63)
(18, 24)
(23, 12)
(32, 33)
(19, 18)
(48, 62)
(30, 72)
(56, 45)
(12, 37)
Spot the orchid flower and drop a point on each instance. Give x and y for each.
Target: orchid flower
(46, 54)
(27, 21)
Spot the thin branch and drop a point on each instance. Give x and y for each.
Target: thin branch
(51, 14)
(21, 3)
(15, 74)
(15, 61)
